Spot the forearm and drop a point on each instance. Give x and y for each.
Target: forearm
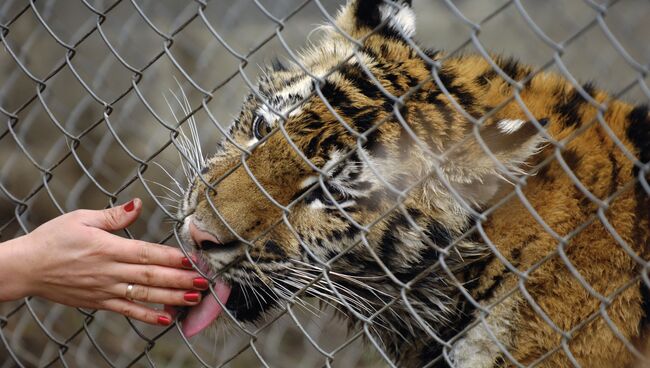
(14, 269)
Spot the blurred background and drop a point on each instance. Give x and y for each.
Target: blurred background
(84, 123)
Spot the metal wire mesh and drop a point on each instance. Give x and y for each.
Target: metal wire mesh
(81, 94)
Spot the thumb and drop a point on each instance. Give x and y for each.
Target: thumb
(115, 218)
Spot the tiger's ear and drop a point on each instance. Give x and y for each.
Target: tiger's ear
(359, 17)
(480, 171)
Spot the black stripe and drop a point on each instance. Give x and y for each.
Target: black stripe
(439, 234)
(488, 293)
(365, 120)
(572, 158)
(310, 149)
(431, 54)
(543, 174)
(412, 81)
(357, 77)
(464, 98)
(394, 81)
(414, 213)
(362, 266)
(645, 306)
(510, 66)
(513, 69)
(613, 185)
(639, 133)
(486, 77)
(367, 13)
(339, 99)
(389, 240)
(515, 260)
(569, 108)
(272, 247)
(391, 34)
(332, 142)
(334, 94)
(446, 112)
(426, 124)
(500, 362)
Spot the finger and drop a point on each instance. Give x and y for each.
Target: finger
(149, 294)
(160, 276)
(138, 312)
(140, 252)
(115, 218)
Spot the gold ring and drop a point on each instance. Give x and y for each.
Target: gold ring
(129, 290)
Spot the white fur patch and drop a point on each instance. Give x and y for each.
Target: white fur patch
(478, 348)
(510, 126)
(284, 101)
(252, 142)
(269, 116)
(272, 118)
(333, 161)
(400, 19)
(301, 88)
(308, 181)
(316, 205)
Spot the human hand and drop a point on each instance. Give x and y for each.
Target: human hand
(74, 260)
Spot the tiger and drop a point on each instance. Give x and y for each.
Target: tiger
(462, 211)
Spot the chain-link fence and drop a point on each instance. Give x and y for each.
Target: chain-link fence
(88, 96)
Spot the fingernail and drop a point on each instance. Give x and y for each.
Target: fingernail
(191, 296)
(186, 262)
(200, 283)
(129, 206)
(164, 321)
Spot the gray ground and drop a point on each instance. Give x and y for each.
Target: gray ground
(38, 169)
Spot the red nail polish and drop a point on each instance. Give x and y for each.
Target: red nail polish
(186, 262)
(129, 206)
(200, 283)
(164, 321)
(191, 296)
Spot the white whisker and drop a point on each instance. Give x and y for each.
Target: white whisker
(171, 191)
(178, 185)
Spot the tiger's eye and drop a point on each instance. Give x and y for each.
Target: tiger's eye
(260, 127)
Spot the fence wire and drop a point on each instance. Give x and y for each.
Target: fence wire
(83, 88)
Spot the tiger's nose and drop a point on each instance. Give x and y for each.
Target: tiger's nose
(203, 239)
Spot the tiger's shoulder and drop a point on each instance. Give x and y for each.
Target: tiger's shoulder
(569, 247)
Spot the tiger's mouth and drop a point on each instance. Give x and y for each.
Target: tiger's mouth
(246, 303)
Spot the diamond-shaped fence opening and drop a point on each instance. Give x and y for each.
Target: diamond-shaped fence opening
(94, 96)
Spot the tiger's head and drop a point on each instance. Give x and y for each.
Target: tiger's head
(332, 180)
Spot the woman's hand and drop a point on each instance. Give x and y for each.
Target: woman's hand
(74, 260)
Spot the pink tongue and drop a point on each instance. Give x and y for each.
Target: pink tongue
(202, 315)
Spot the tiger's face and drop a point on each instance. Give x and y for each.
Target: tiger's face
(318, 173)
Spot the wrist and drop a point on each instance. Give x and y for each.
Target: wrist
(16, 277)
